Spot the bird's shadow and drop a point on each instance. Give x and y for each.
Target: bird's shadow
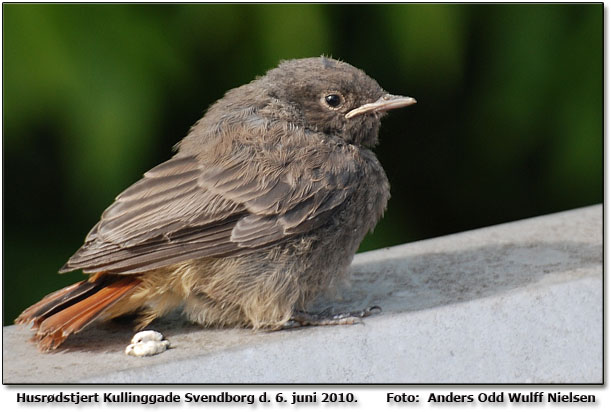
(404, 284)
(114, 335)
(423, 281)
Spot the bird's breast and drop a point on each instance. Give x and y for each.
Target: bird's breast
(367, 203)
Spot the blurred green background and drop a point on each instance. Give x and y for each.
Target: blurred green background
(508, 125)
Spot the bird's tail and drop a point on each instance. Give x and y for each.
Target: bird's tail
(72, 308)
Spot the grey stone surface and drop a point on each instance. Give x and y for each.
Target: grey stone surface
(514, 303)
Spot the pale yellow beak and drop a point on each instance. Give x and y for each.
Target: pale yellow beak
(384, 103)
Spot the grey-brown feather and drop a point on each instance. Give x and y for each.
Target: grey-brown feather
(260, 210)
(262, 207)
(198, 207)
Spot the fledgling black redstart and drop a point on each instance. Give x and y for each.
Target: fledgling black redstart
(264, 204)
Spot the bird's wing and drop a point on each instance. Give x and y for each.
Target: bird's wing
(185, 208)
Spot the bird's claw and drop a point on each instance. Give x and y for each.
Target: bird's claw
(326, 318)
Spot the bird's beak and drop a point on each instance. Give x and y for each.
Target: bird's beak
(384, 103)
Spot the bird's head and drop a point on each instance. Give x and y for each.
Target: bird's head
(331, 97)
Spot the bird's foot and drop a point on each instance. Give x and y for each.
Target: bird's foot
(326, 318)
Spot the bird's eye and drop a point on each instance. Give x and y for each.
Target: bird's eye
(333, 100)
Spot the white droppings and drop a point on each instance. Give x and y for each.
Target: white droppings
(147, 335)
(147, 343)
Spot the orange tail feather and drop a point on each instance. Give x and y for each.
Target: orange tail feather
(72, 308)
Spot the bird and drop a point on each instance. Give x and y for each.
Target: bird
(260, 210)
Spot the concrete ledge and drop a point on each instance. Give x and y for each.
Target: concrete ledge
(515, 303)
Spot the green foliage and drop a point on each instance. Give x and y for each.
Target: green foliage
(509, 120)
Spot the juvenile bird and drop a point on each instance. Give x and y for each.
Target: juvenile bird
(263, 205)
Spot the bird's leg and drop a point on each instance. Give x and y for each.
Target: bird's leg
(326, 318)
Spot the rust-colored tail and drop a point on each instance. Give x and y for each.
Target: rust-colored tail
(72, 308)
